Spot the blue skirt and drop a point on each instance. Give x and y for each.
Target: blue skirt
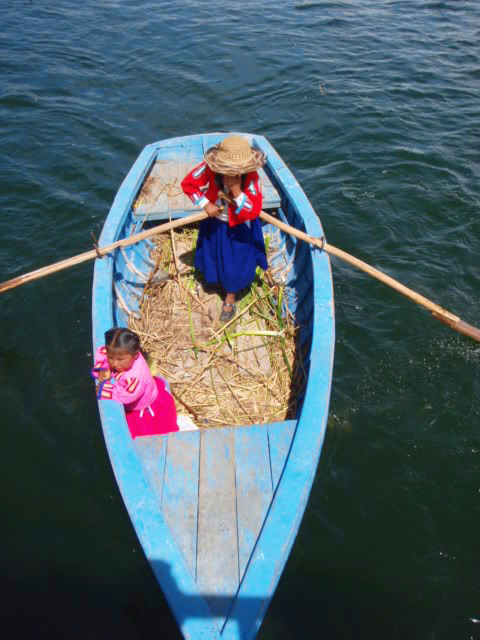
(230, 255)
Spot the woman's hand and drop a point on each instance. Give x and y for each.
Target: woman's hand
(233, 183)
(211, 210)
(104, 375)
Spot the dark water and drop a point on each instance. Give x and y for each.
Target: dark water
(375, 107)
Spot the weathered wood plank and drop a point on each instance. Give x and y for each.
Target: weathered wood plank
(280, 435)
(217, 545)
(151, 451)
(254, 487)
(180, 492)
(162, 191)
(178, 200)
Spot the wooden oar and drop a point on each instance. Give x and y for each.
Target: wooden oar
(101, 251)
(438, 312)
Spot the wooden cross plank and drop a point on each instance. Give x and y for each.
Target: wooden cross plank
(180, 492)
(151, 451)
(217, 545)
(254, 487)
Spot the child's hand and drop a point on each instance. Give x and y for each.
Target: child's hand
(211, 209)
(104, 375)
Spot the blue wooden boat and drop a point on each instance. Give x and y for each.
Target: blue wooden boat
(217, 510)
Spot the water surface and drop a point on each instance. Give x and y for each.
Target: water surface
(374, 106)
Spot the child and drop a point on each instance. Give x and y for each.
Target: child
(230, 243)
(149, 406)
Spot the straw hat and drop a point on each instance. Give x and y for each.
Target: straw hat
(233, 155)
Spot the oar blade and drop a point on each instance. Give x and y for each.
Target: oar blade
(461, 326)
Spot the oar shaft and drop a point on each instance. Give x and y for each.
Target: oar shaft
(438, 312)
(90, 255)
(330, 249)
(409, 293)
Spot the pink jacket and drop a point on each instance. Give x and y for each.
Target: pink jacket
(135, 388)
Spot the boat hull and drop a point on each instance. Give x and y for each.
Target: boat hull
(219, 568)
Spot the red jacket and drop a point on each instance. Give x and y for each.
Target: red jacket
(200, 186)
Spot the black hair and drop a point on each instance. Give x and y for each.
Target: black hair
(120, 338)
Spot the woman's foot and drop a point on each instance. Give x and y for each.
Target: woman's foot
(228, 311)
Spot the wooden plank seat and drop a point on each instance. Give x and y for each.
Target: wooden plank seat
(162, 195)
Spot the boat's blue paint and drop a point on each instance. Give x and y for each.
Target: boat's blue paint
(180, 492)
(284, 517)
(254, 487)
(217, 564)
(217, 511)
(152, 453)
(279, 441)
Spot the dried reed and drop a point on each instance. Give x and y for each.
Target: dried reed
(248, 371)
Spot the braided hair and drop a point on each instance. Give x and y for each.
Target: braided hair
(121, 338)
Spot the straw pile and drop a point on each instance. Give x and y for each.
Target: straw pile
(248, 371)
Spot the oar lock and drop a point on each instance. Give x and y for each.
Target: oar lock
(95, 245)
